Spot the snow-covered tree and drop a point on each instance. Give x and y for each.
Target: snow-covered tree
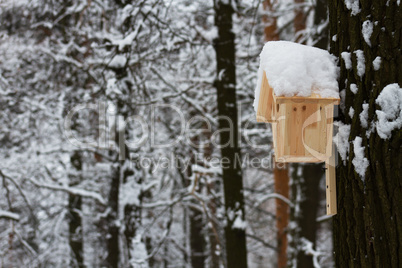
(366, 38)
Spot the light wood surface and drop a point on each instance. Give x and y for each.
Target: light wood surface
(330, 180)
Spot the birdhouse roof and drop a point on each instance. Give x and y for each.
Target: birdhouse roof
(297, 71)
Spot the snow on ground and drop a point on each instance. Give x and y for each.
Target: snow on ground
(390, 115)
(297, 70)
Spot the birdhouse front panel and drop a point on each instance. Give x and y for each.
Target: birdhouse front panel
(302, 130)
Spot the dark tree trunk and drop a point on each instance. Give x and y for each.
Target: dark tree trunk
(112, 237)
(132, 218)
(197, 239)
(196, 220)
(305, 187)
(214, 246)
(74, 218)
(320, 16)
(368, 226)
(236, 252)
(132, 212)
(299, 21)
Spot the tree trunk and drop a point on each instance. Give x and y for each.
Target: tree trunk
(305, 194)
(197, 239)
(320, 16)
(281, 185)
(235, 236)
(196, 220)
(270, 27)
(132, 213)
(74, 217)
(112, 237)
(300, 21)
(367, 228)
(213, 239)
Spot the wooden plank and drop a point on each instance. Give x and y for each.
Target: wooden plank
(274, 128)
(322, 135)
(287, 126)
(265, 101)
(311, 99)
(299, 159)
(310, 129)
(330, 179)
(316, 135)
(280, 132)
(329, 111)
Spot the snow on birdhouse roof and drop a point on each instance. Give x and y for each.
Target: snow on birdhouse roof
(297, 70)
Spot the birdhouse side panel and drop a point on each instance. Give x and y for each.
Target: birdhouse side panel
(265, 101)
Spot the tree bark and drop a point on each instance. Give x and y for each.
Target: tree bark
(299, 23)
(197, 239)
(305, 196)
(214, 246)
(270, 27)
(132, 213)
(281, 185)
(112, 237)
(321, 36)
(196, 220)
(367, 228)
(236, 251)
(74, 217)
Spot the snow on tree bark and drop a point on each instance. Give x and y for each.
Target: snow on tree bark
(367, 228)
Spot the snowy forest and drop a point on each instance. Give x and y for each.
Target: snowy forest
(128, 135)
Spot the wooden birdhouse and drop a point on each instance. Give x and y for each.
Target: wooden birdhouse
(302, 126)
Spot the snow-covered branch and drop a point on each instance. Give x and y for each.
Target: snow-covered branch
(9, 215)
(70, 190)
